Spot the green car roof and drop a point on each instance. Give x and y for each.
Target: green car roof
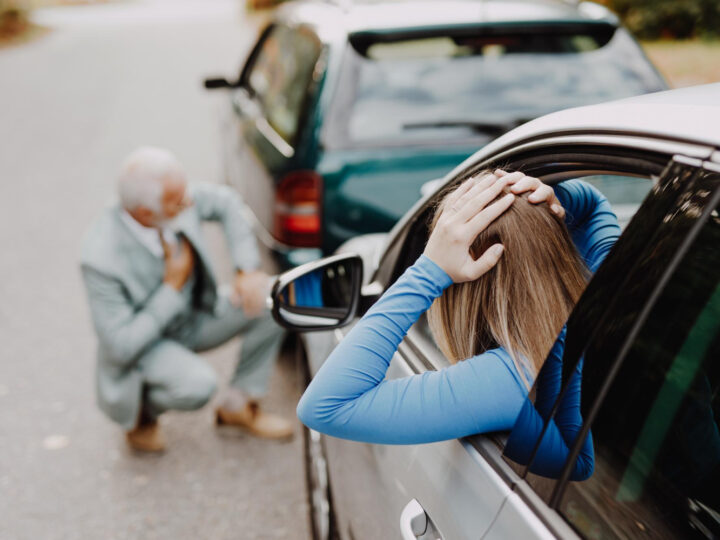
(402, 15)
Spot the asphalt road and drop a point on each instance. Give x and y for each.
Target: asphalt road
(74, 102)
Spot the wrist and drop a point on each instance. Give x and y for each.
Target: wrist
(240, 277)
(245, 271)
(437, 272)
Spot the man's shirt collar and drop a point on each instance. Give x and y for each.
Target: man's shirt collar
(148, 236)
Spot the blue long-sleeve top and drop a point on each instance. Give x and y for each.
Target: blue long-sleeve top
(350, 398)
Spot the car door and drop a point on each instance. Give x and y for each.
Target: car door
(269, 109)
(452, 481)
(650, 380)
(448, 482)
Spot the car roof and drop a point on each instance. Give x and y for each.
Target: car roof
(688, 114)
(424, 14)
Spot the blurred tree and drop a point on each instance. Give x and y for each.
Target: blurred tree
(653, 19)
(253, 5)
(13, 18)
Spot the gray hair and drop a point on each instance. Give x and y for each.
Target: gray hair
(140, 180)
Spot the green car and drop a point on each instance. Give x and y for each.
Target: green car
(344, 111)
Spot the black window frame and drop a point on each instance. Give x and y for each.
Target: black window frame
(252, 57)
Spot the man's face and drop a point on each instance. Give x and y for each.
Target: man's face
(175, 197)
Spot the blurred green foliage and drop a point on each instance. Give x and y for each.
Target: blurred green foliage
(679, 19)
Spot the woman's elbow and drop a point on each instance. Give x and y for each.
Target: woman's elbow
(307, 413)
(303, 411)
(584, 469)
(318, 414)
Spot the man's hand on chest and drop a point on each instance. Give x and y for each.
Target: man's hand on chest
(179, 262)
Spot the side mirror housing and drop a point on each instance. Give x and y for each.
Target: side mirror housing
(218, 82)
(319, 295)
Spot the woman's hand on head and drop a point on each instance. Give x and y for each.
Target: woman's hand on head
(540, 192)
(466, 213)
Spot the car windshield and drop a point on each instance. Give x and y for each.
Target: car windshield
(466, 83)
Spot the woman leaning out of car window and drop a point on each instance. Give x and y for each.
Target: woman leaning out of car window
(506, 260)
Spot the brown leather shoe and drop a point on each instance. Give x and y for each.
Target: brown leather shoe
(257, 422)
(146, 437)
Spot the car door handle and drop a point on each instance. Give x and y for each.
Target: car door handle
(413, 521)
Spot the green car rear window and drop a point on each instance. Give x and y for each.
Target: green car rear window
(459, 83)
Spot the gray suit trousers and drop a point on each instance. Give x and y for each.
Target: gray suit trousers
(175, 377)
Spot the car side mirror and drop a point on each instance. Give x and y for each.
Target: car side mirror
(218, 82)
(319, 295)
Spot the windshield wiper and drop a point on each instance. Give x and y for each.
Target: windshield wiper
(489, 128)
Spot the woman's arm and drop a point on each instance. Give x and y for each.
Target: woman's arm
(562, 430)
(349, 397)
(592, 224)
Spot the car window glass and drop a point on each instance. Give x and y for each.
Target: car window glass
(624, 193)
(395, 89)
(601, 317)
(656, 437)
(281, 74)
(265, 67)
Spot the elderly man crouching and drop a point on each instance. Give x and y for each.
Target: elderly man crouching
(155, 303)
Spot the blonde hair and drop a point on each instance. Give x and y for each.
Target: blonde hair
(523, 302)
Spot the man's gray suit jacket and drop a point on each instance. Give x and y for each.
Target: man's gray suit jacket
(130, 305)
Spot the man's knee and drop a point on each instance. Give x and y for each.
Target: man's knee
(176, 378)
(194, 389)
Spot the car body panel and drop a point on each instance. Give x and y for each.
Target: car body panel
(367, 191)
(516, 520)
(686, 115)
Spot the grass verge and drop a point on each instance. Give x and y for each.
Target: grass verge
(685, 63)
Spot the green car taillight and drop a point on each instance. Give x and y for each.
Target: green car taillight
(298, 209)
